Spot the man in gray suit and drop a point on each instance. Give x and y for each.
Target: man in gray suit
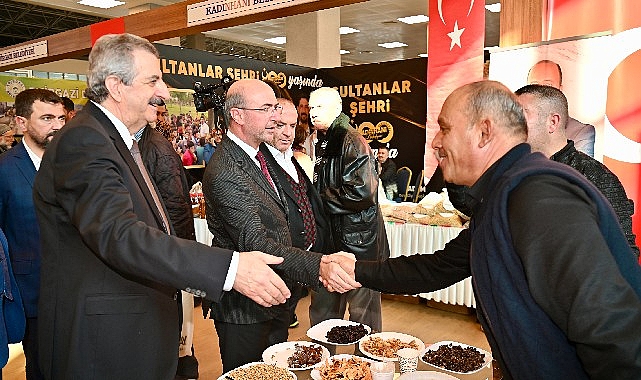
(112, 264)
(246, 209)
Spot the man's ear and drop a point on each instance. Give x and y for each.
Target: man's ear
(554, 123)
(486, 131)
(115, 87)
(236, 115)
(21, 122)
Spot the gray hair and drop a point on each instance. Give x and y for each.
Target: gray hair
(490, 98)
(235, 98)
(113, 55)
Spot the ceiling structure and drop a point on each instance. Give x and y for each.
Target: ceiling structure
(23, 20)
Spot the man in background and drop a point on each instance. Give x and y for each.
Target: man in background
(110, 274)
(70, 108)
(549, 73)
(305, 124)
(546, 111)
(166, 170)
(346, 178)
(387, 172)
(306, 217)
(39, 115)
(6, 137)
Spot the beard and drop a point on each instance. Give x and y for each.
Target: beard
(41, 141)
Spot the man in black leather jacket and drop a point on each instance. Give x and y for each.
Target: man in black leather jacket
(346, 178)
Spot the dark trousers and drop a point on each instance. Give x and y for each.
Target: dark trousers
(30, 348)
(242, 344)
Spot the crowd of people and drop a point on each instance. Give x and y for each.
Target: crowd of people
(103, 263)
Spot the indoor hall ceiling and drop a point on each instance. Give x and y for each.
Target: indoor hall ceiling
(376, 20)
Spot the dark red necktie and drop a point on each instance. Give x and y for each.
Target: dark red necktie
(263, 167)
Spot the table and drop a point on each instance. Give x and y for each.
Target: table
(404, 239)
(410, 239)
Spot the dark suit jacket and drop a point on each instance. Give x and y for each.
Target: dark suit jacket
(12, 319)
(19, 223)
(244, 213)
(109, 278)
(323, 242)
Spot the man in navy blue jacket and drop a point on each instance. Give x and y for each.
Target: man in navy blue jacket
(39, 114)
(557, 287)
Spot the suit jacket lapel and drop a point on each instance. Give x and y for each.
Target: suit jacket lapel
(24, 163)
(277, 172)
(125, 153)
(248, 165)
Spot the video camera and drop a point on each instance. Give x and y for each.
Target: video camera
(211, 95)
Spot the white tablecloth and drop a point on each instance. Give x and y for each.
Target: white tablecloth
(202, 232)
(411, 239)
(404, 239)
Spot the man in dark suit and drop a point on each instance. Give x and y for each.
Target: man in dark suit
(112, 266)
(39, 114)
(308, 224)
(246, 209)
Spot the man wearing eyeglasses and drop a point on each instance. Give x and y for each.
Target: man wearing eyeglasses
(246, 207)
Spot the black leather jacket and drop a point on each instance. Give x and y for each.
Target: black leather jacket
(166, 169)
(347, 181)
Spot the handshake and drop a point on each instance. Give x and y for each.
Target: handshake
(337, 272)
(256, 280)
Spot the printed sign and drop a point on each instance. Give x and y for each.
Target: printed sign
(23, 53)
(217, 10)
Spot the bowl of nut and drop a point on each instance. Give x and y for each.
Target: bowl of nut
(455, 357)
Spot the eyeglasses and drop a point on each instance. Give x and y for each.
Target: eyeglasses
(272, 109)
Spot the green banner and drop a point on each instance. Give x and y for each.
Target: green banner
(73, 89)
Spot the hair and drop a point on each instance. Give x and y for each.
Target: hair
(68, 104)
(329, 93)
(281, 93)
(550, 98)
(25, 99)
(552, 63)
(190, 144)
(202, 141)
(113, 55)
(233, 99)
(489, 98)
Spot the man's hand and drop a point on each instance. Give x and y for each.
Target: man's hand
(256, 280)
(337, 272)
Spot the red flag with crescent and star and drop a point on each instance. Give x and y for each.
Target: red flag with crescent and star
(456, 37)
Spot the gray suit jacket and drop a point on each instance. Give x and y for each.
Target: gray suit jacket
(107, 307)
(244, 213)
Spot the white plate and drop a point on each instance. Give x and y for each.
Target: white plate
(389, 335)
(316, 375)
(224, 376)
(279, 353)
(319, 331)
(426, 375)
(486, 363)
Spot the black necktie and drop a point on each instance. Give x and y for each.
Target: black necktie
(135, 152)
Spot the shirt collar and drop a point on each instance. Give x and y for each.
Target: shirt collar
(251, 152)
(120, 126)
(34, 157)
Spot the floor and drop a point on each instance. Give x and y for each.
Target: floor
(417, 319)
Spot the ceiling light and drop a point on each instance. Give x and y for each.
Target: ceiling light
(414, 19)
(423, 55)
(277, 40)
(494, 8)
(392, 45)
(104, 4)
(344, 51)
(347, 30)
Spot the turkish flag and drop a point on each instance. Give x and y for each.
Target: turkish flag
(456, 37)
